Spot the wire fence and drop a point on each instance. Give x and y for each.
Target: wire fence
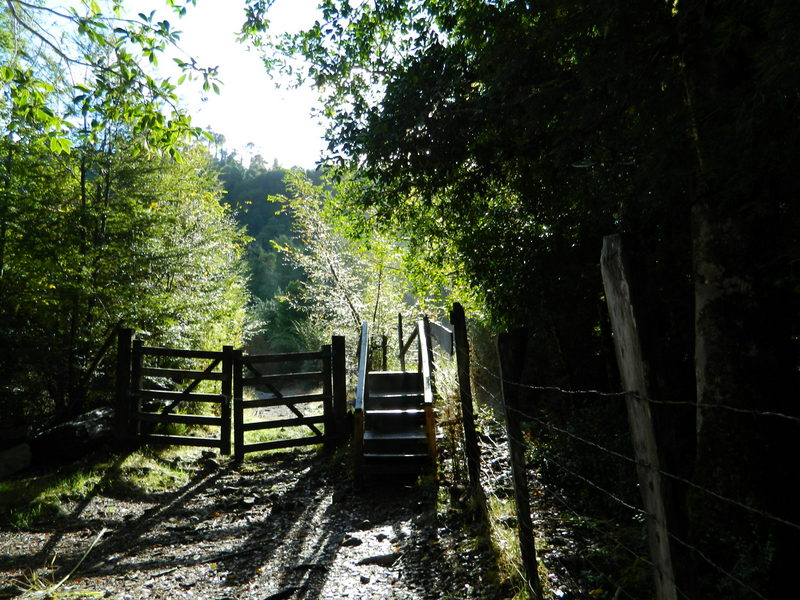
(586, 474)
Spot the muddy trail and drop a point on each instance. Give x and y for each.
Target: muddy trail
(288, 525)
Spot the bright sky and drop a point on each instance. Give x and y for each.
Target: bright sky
(249, 109)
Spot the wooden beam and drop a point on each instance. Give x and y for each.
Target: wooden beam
(634, 374)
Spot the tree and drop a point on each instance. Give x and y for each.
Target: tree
(99, 55)
(103, 239)
(346, 283)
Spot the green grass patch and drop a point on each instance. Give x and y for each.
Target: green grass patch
(45, 497)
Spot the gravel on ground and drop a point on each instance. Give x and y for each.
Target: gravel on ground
(282, 525)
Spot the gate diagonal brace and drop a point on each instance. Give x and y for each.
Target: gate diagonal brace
(279, 395)
(189, 388)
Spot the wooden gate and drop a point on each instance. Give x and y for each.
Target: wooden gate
(309, 386)
(159, 387)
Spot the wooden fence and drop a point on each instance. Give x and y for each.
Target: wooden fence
(160, 387)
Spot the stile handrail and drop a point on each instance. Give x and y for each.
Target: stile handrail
(425, 360)
(363, 362)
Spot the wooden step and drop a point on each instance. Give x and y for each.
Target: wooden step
(395, 442)
(394, 382)
(377, 468)
(394, 419)
(386, 400)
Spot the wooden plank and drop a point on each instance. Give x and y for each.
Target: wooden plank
(363, 367)
(295, 422)
(180, 353)
(182, 419)
(180, 440)
(307, 441)
(633, 372)
(511, 351)
(286, 357)
(426, 364)
(253, 381)
(179, 396)
(283, 401)
(181, 374)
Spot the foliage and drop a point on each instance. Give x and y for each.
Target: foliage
(93, 57)
(353, 272)
(105, 238)
(248, 192)
(109, 215)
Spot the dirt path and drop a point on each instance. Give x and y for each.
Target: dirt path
(279, 526)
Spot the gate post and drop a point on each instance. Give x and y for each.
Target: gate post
(135, 401)
(122, 412)
(339, 387)
(225, 410)
(327, 392)
(238, 406)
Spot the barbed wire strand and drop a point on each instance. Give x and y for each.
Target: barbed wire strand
(565, 570)
(658, 521)
(756, 511)
(553, 388)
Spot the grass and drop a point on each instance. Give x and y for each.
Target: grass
(43, 497)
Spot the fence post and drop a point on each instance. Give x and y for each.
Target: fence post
(122, 412)
(471, 448)
(511, 351)
(227, 393)
(238, 406)
(384, 351)
(339, 387)
(327, 392)
(633, 371)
